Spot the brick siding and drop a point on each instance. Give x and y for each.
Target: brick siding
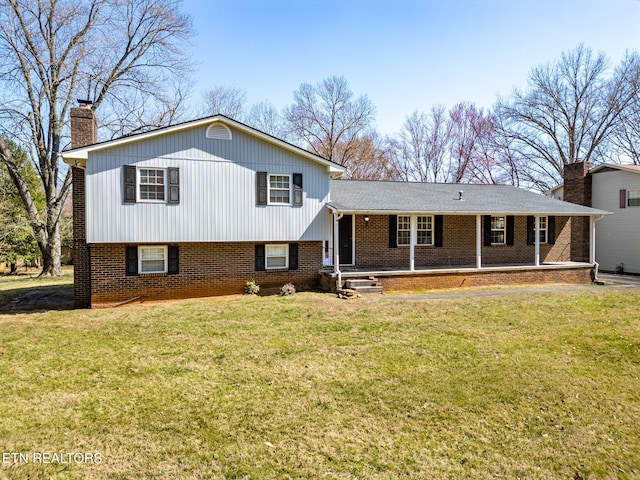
(577, 189)
(206, 269)
(459, 245)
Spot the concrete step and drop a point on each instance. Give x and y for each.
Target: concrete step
(364, 285)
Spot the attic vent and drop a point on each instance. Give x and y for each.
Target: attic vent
(218, 131)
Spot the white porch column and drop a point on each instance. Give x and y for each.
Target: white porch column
(592, 242)
(479, 241)
(336, 249)
(412, 242)
(537, 240)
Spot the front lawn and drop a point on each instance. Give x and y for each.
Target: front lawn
(538, 386)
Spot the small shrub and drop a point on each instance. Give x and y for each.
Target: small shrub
(252, 288)
(287, 289)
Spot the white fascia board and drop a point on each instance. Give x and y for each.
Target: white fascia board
(79, 156)
(337, 209)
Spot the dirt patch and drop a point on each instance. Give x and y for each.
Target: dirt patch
(41, 299)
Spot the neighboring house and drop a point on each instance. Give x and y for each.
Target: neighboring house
(203, 207)
(615, 188)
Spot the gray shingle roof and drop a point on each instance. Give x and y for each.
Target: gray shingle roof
(363, 196)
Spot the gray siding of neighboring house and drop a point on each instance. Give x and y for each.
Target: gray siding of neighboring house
(217, 192)
(617, 235)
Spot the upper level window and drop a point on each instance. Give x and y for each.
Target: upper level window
(404, 229)
(633, 198)
(280, 189)
(152, 184)
(425, 230)
(498, 230)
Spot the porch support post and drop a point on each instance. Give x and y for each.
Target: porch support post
(478, 241)
(336, 249)
(412, 243)
(592, 240)
(537, 240)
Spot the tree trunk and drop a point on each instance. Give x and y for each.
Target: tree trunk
(51, 254)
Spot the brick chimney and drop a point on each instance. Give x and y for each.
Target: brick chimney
(577, 189)
(84, 131)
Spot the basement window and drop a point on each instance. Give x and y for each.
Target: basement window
(152, 259)
(277, 256)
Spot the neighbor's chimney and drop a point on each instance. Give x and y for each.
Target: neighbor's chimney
(84, 127)
(577, 183)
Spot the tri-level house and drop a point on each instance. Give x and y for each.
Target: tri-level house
(202, 207)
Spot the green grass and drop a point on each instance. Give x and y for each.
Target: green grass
(539, 386)
(12, 286)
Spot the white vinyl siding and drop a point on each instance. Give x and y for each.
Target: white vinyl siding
(152, 259)
(617, 234)
(276, 256)
(217, 192)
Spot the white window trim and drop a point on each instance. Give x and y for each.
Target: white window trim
(269, 175)
(413, 220)
(503, 230)
(165, 258)
(403, 230)
(427, 230)
(266, 256)
(139, 185)
(545, 229)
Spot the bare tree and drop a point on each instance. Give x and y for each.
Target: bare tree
(419, 151)
(328, 120)
(228, 101)
(625, 138)
(266, 118)
(117, 53)
(366, 158)
(568, 112)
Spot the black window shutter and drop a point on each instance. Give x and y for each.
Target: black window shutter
(623, 199)
(261, 188)
(438, 221)
(551, 230)
(132, 260)
(260, 260)
(531, 230)
(129, 179)
(293, 256)
(510, 229)
(297, 189)
(174, 184)
(487, 230)
(393, 231)
(174, 260)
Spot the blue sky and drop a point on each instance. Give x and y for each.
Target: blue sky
(405, 55)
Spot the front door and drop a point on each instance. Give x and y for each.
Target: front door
(345, 239)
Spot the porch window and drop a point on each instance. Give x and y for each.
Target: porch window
(498, 230)
(404, 230)
(280, 189)
(543, 229)
(425, 230)
(277, 256)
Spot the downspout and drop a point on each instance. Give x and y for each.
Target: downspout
(336, 249)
